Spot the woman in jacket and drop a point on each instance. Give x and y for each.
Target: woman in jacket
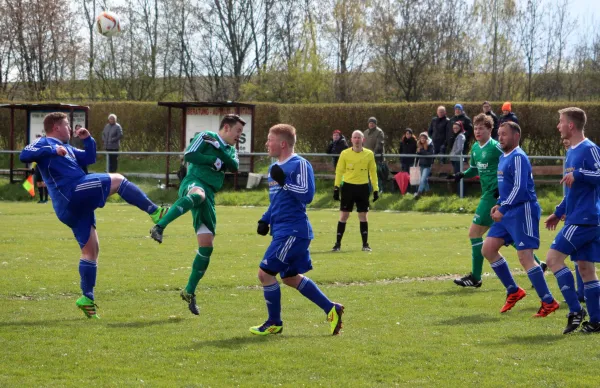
(408, 146)
(424, 147)
(336, 146)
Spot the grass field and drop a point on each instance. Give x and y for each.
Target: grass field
(406, 323)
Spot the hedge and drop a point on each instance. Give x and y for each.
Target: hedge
(145, 124)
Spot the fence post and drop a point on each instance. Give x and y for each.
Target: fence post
(462, 181)
(107, 162)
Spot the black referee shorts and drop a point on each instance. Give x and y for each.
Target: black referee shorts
(355, 194)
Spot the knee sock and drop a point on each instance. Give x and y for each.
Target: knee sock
(580, 286)
(592, 299)
(311, 291)
(476, 257)
(272, 295)
(536, 275)
(501, 269)
(133, 195)
(179, 208)
(87, 272)
(45, 193)
(41, 193)
(566, 283)
(340, 231)
(537, 260)
(199, 267)
(364, 232)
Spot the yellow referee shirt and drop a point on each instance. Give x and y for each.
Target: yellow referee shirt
(356, 168)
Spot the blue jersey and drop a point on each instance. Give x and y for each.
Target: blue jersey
(581, 203)
(287, 211)
(61, 173)
(515, 181)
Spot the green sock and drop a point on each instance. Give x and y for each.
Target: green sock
(537, 260)
(199, 267)
(476, 257)
(179, 208)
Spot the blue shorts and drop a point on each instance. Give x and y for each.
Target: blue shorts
(581, 242)
(89, 194)
(288, 256)
(520, 225)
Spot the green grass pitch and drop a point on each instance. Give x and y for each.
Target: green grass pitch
(406, 323)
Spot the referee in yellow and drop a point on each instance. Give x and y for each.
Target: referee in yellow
(355, 166)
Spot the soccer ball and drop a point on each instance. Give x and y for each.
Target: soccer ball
(108, 24)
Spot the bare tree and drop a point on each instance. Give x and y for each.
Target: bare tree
(530, 20)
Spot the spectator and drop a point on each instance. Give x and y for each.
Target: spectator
(424, 147)
(408, 146)
(507, 114)
(337, 145)
(78, 143)
(439, 131)
(374, 140)
(459, 115)
(487, 109)
(111, 137)
(39, 180)
(458, 142)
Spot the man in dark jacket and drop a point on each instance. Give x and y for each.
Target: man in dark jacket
(487, 109)
(336, 146)
(459, 115)
(439, 131)
(507, 114)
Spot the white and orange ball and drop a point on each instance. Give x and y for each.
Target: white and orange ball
(108, 23)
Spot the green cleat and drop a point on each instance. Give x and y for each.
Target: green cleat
(88, 307)
(159, 213)
(267, 328)
(335, 318)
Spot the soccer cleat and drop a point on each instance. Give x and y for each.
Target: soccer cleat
(88, 307)
(190, 299)
(159, 213)
(468, 281)
(512, 299)
(267, 328)
(336, 248)
(574, 321)
(157, 233)
(366, 248)
(335, 318)
(546, 309)
(590, 327)
(544, 266)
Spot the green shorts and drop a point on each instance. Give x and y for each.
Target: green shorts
(482, 214)
(206, 214)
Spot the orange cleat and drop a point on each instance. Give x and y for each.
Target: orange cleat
(512, 299)
(547, 309)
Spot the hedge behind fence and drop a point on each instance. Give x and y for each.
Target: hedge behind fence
(145, 124)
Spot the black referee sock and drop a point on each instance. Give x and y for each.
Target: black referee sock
(45, 193)
(41, 193)
(364, 232)
(340, 231)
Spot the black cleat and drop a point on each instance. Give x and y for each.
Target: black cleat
(366, 248)
(190, 299)
(157, 233)
(336, 248)
(468, 281)
(544, 266)
(590, 327)
(574, 321)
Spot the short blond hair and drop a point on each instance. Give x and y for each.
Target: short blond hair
(285, 132)
(576, 116)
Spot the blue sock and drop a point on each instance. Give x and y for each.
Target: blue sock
(580, 286)
(87, 272)
(501, 269)
(566, 283)
(536, 275)
(136, 197)
(273, 299)
(310, 290)
(592, 299)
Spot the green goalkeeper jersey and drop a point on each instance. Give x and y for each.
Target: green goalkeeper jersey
(484, 162)
(208, 163)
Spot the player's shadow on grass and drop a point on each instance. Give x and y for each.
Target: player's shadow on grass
(451, 292)
(534, 339)
(45, 322)
(239, 341)
(144, 323)
(468, 320)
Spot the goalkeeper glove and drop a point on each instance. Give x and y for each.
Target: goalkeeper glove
(336, 193)
(263, 228)
(218, 164)
(278, 175)
(458, 176)
(375, 196)
(212, 141)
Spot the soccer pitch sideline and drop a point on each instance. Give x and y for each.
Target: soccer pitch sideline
(406, 323)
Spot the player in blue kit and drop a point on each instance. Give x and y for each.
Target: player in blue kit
(76, 195)
(516, 219)
(580, 237)
(291, 188)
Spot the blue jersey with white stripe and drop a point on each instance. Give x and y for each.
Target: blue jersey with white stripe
(287, 211)
(60, 173)
(581, 203)
(515, 180)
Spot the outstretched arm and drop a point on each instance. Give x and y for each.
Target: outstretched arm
(86, 156)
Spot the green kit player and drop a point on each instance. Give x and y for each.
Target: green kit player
(485, 155)
(209, 155)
